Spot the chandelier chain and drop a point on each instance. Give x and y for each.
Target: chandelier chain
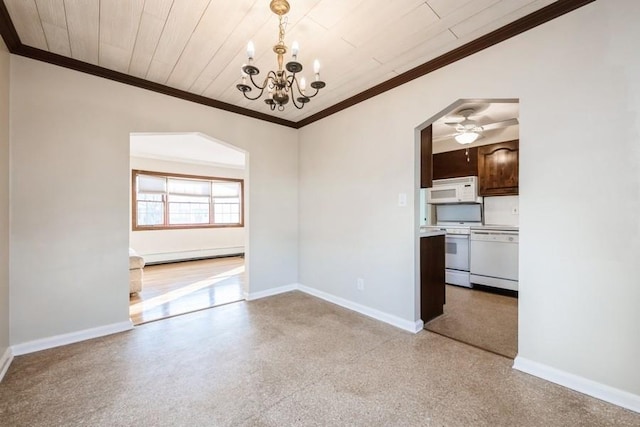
(283, 26)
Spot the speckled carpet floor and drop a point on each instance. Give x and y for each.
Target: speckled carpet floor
(485, 320)
(287, 360)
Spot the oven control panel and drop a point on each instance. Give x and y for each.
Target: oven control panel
(454, 230)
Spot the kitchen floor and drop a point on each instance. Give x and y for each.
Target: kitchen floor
(483, 319)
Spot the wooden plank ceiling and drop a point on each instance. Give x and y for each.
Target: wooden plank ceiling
(199, 45)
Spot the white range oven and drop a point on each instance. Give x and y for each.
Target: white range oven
(456, 256)
(456, 220)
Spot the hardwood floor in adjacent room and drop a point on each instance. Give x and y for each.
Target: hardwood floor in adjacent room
(183, 287)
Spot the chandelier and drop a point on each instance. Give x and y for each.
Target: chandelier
(278, 84)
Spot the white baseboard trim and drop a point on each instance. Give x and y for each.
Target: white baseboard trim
(413, 327)
(5, 361)
(195, 254)
(407, 325)
(583, 385)
(70, 338)
(270, 292)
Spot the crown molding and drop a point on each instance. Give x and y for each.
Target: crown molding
(84, 67)
(539, 17)
(7, 30)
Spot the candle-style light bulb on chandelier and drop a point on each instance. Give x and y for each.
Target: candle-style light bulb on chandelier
(279, 84)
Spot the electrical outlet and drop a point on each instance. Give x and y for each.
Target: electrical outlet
(402, 199)
(360, 284)
(514, 210)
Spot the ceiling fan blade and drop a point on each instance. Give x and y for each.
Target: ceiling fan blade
(500, 125)
(451, 136)
(445, 137)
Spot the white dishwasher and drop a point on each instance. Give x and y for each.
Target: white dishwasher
(494, 258)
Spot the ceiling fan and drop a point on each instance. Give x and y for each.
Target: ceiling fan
(467, 130)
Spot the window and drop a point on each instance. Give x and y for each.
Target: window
(163, 201)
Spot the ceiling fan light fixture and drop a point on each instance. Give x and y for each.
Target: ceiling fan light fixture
(467, 137)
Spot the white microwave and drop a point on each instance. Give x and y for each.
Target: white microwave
(454, 190)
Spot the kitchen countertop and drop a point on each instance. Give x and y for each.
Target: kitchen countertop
(471, 227)
(430, 232)
(495, 227)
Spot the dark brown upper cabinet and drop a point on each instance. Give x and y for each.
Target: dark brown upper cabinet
(498, 169)
(426, 158)
(454, 164)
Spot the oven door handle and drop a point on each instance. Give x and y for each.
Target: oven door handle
(457, 236)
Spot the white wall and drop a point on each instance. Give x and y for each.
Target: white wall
(70, 194)
(499, 210)
(172, 245)
(576, 78)
(4, 202)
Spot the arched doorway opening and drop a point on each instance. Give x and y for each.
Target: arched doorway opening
(476, 141)
(188, 220)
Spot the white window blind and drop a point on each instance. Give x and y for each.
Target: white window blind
(152, 184)
(189, 187)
